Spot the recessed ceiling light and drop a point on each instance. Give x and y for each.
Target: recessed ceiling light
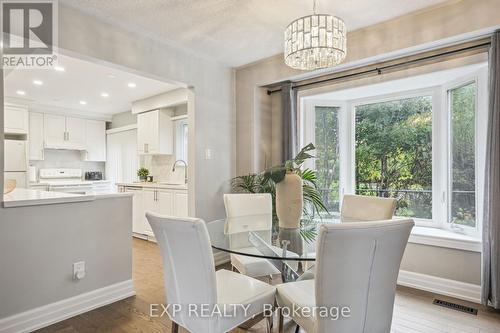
(83, 103)
(104, 94)
(59, 68)
(131, 85)
(21, 92)
(38, 82)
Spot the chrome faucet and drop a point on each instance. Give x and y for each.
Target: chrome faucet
(185, 169)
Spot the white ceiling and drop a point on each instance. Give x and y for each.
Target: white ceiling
(395, 86)
(81, 81)
(236, 32)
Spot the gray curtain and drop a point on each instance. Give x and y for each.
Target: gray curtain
(289, 122)
(491, 222)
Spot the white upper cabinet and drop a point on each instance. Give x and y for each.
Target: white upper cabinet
(96, 141)
(36, 136)
(54, 131)
(16, 119)
(155, 132)
(76, 132)
(64, 132)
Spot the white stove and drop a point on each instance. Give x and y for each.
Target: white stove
(65, 180)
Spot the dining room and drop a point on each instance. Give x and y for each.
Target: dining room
(336, 169)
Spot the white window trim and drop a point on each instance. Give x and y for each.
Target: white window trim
(435, 93)
(438, 229)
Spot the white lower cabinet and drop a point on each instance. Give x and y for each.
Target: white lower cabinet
(161, 201)
(180, 204)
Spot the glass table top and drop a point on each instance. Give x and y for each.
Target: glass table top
(252, 236)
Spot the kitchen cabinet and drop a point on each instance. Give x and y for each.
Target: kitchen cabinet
(162, 201)
(76, 132)
(138, 223)
(95, 141)
(54, 127)
(149, 205)
(36, 151)
(62, 132)
(180, 204)
(155, 132)
(15, 119)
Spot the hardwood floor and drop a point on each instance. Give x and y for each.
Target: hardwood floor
(413, 312)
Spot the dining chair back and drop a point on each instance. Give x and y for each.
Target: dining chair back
(357, 267)
(357, 208)
(188, 266)
(247, 212)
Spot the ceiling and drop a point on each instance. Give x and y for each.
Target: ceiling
(81, 81)
(406, 84)
(236, 32)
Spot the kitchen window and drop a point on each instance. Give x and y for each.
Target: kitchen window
(419, 146)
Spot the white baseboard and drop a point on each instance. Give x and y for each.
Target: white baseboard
(461, 290)
(52, 313)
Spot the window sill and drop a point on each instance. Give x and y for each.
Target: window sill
(444, 238)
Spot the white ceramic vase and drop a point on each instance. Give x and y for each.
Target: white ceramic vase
(289, 201)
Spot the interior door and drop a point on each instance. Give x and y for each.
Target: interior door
(54, 130)
(76, 129)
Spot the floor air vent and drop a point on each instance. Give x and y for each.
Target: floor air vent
(454, 306)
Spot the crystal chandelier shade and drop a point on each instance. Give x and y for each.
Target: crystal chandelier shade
(315, 41)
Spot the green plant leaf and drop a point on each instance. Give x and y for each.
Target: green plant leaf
(276, 174)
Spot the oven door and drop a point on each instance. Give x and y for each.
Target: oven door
(75, 189)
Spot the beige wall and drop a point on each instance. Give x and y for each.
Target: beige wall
(440, 25)
(417, 30)
(123, 119)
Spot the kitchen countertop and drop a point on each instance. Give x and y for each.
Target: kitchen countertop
(155, 185)
(82, 182)
(28, 197)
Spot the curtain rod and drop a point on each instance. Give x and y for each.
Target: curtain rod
(379, 70)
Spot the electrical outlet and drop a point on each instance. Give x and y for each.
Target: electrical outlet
(79, 270)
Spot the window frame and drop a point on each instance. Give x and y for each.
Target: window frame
(308, 134)
(441, 114)
(480, 77)
(435, 94)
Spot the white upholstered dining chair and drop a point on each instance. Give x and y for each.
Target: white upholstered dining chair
(357, 208)
(247, 212)
(192, 283)
(357, 267)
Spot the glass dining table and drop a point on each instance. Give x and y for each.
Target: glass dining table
(291, 251)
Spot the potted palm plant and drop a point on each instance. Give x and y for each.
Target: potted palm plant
(294, 193)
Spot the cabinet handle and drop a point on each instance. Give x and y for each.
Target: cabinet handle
(68, 135)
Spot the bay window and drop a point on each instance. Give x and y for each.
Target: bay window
(424, 147)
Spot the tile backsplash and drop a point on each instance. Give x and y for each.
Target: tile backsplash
(160, 167)
(70, 159)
